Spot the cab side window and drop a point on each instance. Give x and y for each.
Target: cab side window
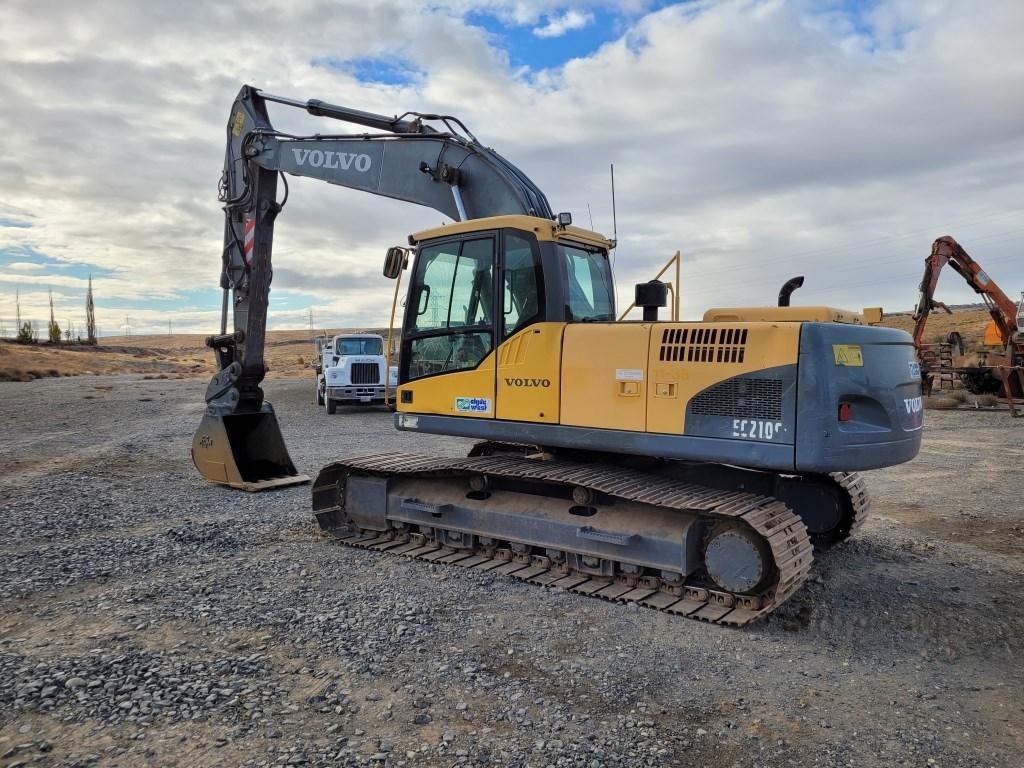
(590, 294)
(523, 298)
(453, 295)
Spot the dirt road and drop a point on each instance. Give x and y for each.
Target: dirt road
(147, 618)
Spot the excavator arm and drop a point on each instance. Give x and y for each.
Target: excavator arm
(945, 251)
(426, 159)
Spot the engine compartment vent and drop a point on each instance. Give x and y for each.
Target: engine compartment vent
(742, 399)
(703, 345)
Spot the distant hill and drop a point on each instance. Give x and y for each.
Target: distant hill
(970, 322)
(288, 354)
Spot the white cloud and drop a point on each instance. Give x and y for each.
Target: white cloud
(569, 21)
(24, 266)
(760, 138)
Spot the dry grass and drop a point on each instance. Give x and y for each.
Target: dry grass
(161, 357)
(941, 403)
(971, 324)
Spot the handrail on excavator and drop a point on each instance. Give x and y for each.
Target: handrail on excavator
(673, 288)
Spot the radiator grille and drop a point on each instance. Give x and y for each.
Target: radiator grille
(703, 345)
(365, 373)
(741, 398)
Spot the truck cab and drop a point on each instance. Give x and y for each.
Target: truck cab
(353, 370)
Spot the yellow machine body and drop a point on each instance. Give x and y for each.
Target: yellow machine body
(625, 376)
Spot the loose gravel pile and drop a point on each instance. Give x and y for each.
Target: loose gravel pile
(149, 618)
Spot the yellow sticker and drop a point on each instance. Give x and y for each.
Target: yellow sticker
(237, 123)
(848, 354)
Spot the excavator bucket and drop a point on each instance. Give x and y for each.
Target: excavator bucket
(245, 451)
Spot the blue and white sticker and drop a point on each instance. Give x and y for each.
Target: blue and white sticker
(915, 370)
(473, 404)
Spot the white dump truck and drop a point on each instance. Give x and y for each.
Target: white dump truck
(351, 369)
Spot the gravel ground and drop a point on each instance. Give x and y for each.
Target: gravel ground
(151, 619)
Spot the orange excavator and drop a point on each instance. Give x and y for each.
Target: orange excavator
(989, 371)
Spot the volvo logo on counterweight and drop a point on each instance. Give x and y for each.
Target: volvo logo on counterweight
(527, 382)
(341, 160)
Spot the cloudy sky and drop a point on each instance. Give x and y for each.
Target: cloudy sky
(761, 138)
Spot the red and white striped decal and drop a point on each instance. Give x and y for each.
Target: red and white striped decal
(250, 239)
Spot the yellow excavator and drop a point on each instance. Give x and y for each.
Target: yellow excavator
(691, 467)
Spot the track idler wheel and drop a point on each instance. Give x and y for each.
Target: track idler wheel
(737, 559)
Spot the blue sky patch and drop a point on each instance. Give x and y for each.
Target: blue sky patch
(48, 265)
(4, 222)
(382, 70)
(527, 49)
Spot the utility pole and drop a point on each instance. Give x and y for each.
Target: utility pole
(17, 309)
(90, 316)
(168, 326)
(311, 321)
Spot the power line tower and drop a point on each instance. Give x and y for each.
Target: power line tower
(90, 316)
(311, 331)
(169, 327)
(127, 327)
(17, 310)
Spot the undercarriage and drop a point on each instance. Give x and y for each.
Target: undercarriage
(728, 549)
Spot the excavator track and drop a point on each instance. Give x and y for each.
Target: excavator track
(741, 519)
(853, 503)
(856, 488)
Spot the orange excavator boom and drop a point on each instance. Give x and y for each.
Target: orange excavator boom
(945, 251)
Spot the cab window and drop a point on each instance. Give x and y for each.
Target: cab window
(523, 299)
(452, 307)
(360, 347)
(589, 289)
(453, 285)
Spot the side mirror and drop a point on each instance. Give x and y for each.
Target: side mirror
(395, 261)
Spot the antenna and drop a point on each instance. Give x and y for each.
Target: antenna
(615, 223)
(591, 215)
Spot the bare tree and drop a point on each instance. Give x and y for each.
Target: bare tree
(90, 316)
(53, 330)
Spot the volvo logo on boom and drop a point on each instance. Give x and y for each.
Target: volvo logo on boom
(326, 159)
(527, 382)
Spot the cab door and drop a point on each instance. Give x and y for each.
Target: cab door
(530, 348)
(448, 360)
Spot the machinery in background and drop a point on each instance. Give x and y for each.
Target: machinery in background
(353, 370)
(689, 466)
(999, 369)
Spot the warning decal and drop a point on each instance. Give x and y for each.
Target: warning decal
(848, 354)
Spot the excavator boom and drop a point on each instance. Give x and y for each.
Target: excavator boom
(981, 375)
(946, 250)
(239, 441)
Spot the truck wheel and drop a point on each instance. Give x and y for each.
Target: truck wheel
(332, 406)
